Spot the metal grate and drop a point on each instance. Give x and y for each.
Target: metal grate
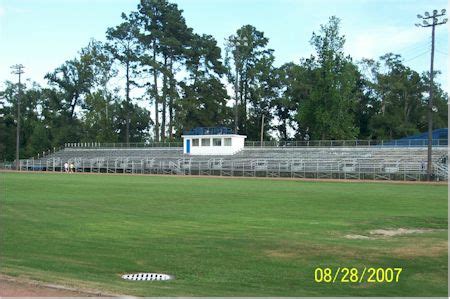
(146, 276)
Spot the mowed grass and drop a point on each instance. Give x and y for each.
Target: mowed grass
(219, 237)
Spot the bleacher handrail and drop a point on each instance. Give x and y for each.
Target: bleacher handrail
(274, 143)
(347, 143)
(117, 145)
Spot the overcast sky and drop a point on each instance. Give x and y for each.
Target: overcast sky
(42, 34)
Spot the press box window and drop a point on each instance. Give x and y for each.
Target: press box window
(206, 142)
(227, 141)
(195, 142)
(217, 141)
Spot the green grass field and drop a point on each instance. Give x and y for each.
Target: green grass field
(219, 237)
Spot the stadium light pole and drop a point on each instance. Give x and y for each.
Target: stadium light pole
(434, 21)
(18, 70)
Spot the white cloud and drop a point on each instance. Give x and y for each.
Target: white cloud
(2, 11)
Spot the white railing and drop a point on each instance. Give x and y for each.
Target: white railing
(441, 171)
(275, 143)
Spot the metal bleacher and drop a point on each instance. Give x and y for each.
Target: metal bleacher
(337, 162)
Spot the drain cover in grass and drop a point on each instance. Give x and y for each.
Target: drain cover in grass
(146, 276)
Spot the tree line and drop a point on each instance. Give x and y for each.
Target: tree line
(154, 59)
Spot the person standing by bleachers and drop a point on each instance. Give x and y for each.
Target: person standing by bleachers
(66, 167)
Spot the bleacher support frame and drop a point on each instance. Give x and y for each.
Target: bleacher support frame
(354, 162)
(240, 169)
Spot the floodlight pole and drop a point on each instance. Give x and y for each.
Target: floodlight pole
(434, 22)
(430, 109)
(18, 70)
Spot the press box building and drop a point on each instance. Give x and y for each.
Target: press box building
(212, 141)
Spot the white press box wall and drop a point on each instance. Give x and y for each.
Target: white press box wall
(198, 144)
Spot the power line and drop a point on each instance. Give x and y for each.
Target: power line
(440, 43)
(417, 56)
(414, 49)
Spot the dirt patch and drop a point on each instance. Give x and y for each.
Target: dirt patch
(281, 254)
(357, 237)
(17, 287)
(381, 233)
(290, 251)
(422, 250)
(399, 231)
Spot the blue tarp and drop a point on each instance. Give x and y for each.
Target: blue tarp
(437, 134)
(440, 137)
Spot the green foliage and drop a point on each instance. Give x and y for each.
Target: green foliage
(250, 68)
(100, 121)
(34, 134)
(181, 76)
(400, 98)
(107, 119)
(78, 77)
(125, 48)
(203, 103)
(328, 112)
(295, 84)
(204, 97)
(7, 123)
(440, 101)
(163, 35)
(140, 122)
(39, 140)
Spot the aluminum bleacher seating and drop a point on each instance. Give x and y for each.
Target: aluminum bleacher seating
(367, 162)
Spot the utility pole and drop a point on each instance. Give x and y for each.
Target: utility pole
(18, 70)
(434, 18)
